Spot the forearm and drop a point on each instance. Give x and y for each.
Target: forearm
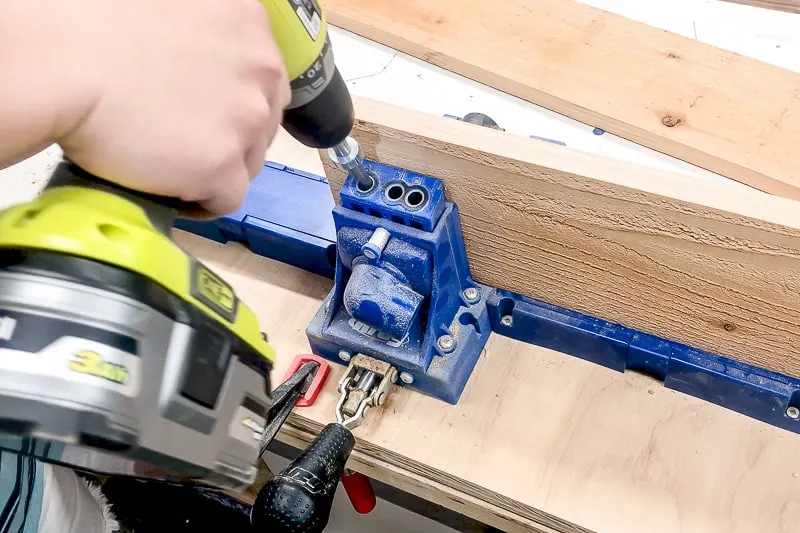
(41, 94)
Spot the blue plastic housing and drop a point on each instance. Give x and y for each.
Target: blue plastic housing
(397, 308)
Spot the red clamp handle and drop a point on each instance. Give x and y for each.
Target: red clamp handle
(359, 490)
(314, 389)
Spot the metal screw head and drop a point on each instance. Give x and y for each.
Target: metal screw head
(793, 412)
(344, 355)
(471, 294)
(406, 378)
(507, 320)
(445, 342)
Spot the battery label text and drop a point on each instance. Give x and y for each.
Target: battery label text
(93, 364)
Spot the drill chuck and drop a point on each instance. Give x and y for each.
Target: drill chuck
(324, 121)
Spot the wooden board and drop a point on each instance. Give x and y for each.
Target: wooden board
(714, 108)
(542, 441)
(792, 6)
(707, 264)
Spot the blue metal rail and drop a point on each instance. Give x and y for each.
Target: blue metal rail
(746, 389)
(286, 216)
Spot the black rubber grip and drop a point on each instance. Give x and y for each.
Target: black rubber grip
(299, 499)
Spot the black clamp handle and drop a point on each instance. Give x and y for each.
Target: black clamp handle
(299, 499)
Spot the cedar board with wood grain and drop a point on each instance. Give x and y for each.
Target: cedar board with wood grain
(714, 108)
(703, 263)
(790, 6)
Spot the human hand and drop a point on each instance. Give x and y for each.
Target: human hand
(179, 98)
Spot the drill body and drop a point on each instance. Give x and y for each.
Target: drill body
(320, 114)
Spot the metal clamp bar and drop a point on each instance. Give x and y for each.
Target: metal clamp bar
(366, 384)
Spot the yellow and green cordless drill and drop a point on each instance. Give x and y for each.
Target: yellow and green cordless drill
(118, 352)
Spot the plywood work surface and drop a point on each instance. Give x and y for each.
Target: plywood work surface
(541, 441)
(714, 108)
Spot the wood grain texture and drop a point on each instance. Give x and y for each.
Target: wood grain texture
(541, 441)
(706, 264)
(714, 108)
(791, 6)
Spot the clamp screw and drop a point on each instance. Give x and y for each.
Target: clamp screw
(507, 320)
(793, 412)
(471, 294)
(446, 343)
(344, 355)
(406, 378)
